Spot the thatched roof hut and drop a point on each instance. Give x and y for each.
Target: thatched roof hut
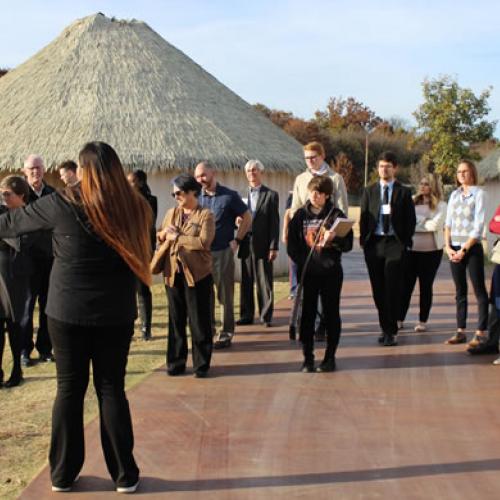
(489, 173)
(121, 82)
(489, 167)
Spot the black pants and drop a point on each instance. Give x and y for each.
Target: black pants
(424, 266)
(384, 258)
(15, 339)
(39, 287)
(106, 347)
(145, 304)
(328, 287)
(193, 304)
(260, 272)
(474, 261)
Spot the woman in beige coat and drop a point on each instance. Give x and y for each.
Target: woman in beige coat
(186, 235)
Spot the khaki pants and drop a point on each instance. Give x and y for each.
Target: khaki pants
(223, 274)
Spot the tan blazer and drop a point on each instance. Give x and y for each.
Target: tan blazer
(192, 247)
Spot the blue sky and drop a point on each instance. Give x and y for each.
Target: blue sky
(295, 55)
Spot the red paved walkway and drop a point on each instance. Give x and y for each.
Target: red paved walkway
(421, 420)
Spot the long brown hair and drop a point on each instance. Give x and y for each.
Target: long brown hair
(116, 212)
(435, 195)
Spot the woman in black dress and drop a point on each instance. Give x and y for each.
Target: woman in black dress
(101, 246)
(15, 269)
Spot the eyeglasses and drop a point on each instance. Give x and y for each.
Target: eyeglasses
(177, 193)
(310, 158)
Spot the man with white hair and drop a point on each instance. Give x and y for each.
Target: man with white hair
(259, 248)
(34, 170)
(227, 206)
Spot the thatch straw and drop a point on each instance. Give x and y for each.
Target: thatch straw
(120, 82)
(489, 167)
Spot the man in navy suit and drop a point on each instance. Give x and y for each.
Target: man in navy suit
(387, 224)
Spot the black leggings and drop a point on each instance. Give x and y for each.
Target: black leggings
(424, 266)
(474, 260)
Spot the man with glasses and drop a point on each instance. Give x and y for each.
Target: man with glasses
(34, 170)
(227, 206)
(314, 155)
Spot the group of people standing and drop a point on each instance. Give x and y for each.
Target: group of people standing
(104, 247)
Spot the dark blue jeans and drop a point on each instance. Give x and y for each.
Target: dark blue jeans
(474, 262)
(106, 347)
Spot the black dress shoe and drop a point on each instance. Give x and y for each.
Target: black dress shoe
(243, 321)
(176, 370)
(201, 374)
(483, 348)
(15, 379)
(307, 367)
(26, 362)
(46, 358)
(327, 366)
(222, 344)
(389, 341)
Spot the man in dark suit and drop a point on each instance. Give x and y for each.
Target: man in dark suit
(34, 170)
(387, 225)
(259, 248)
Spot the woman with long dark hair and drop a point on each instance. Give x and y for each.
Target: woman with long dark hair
(463, 233)
(138, 179)
(101, 245)
(16, 267)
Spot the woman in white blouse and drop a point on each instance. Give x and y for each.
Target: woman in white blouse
(423, 260)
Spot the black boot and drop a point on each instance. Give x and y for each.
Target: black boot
(16, 377)
(308, 365)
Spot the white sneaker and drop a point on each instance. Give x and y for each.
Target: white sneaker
(127, 489)
(496, 362)
(420, 327)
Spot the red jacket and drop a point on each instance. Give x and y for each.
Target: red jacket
(495, 225)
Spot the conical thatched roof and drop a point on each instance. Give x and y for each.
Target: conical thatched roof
(120, 82)
(489, 167)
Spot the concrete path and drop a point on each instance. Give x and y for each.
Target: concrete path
(416, 421)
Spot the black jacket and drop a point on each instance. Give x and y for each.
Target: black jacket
(322, 260)
(402, 213)
(90, 284)
(265, 230)
(43, 250)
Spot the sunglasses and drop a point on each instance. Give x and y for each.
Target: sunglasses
(177, 193)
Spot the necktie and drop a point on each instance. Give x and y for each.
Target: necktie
(386, 218)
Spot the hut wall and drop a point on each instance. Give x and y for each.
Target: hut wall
(159, 183)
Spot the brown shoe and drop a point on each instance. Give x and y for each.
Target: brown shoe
(478, 338)
(458, 338)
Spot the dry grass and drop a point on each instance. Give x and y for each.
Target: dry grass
(25, 411)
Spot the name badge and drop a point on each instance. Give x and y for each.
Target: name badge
(386, 209)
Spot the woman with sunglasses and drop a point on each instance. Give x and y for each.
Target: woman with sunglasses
(186, 235)
(100, 231)
(423, 260)
(16, 267)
